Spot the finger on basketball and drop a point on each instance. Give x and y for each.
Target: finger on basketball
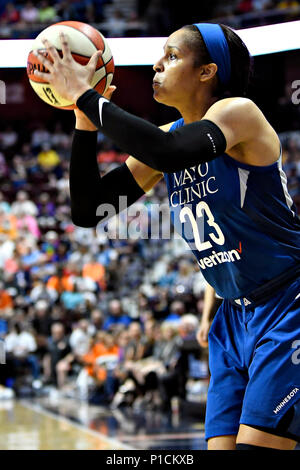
(94, 60)
(46, 62)
(43, 75)
(51, 50)
(65, 46)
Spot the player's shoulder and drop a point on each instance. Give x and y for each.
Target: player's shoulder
(236, 112)
(235, 102)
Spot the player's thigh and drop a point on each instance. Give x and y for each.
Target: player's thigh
(272, 396)
(222, 443)
(228, 378)
(257, 437)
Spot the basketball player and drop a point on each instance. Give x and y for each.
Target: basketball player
(228, 197)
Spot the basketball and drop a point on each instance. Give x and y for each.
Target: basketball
(84, 41)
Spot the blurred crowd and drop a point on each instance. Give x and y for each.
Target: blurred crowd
(89, 312)
(119, 18)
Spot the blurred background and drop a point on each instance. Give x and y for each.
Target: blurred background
(110, 322)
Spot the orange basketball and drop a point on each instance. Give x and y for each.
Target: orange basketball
(84, 41)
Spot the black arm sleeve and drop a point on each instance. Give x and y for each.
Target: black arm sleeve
(167, 152)
(88, 190)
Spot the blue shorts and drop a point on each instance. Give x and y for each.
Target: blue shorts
(254, 361)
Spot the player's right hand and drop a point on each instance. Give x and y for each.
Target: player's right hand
(202, 333)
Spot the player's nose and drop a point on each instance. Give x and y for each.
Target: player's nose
(158, 66)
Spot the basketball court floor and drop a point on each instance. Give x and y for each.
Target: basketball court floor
(66, 424)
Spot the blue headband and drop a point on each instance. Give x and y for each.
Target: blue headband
(218, 49)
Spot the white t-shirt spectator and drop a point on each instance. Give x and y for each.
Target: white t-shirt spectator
(79, 342)
(29, 13)
(20, 344)
(8, 138)
(39, 136)
(24, 207)
(6, 251)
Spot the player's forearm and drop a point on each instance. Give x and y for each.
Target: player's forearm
(88, 190)
(209, 301)
(84, 125)
(163, 151)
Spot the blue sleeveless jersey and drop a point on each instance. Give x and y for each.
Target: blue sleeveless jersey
(239, 220)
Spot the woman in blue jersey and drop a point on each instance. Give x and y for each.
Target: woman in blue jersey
(229, 200)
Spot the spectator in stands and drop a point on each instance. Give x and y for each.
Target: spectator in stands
(107, 153)
(40, 135)
(40, 291)
(185, 277)
(72, 299)
(94, 270)
(288, 4)
(96, 322)
(48, 158)
(177, 310)
(60, 281)
(149, 337)
(8, 225)
(57, 348)
(60, 139)
(157, 18)
(66, 11)
(63, 185)
(7, 248)
(27, 223)
(116, 24)
(23, 205)
(3, 168)
(116, 316)
(259, 5)
(45, 207)
(18, 175)
(10, 15)
(29, 13)
(8, 138)
(104, 366)
(20, 346)
(46, 12)
(293, 182)
(79, 342)
(103, 351)
(40, 315)
(6, 302)
(135, 349)
(152, 373)
(173, 382)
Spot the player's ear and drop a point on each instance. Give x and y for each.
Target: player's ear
(207, 72)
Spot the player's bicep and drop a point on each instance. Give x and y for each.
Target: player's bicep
(145, 176)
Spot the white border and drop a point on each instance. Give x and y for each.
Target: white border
(146, 51)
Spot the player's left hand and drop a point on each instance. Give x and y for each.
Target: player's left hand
(69, 78)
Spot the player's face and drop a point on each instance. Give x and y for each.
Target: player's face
(176, 77)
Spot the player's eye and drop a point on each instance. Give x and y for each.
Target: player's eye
(172, 56)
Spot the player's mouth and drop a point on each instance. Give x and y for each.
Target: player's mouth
(156, 84)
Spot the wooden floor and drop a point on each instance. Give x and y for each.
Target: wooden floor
(26, 427)
(57, 423)
(66, 424)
